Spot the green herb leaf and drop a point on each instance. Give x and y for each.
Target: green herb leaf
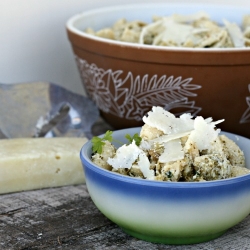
(97, 142)
(135, 138)
(108, 136)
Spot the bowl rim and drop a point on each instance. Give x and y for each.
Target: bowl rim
(70, 27)
(128, 179)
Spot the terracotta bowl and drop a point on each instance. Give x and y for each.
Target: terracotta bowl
(126, 80)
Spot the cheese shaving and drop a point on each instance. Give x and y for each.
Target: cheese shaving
(167, 138)
(167, 122)
(235, 34)
(125, 156)
(144, 165)
(173, 151)
(204, 133)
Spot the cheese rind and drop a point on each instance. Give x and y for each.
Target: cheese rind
(35, 163)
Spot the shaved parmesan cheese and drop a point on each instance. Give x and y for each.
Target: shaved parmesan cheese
(217, 122)
(186, 117)
(145, 145)
(165, 121)
(125, 156)
(209, 120)
(172, 31)
(204, 133)
(144, 165)
(173, 151)
(167, 138)
(235, 34)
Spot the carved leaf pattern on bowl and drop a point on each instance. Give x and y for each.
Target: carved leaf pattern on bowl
(107, 89)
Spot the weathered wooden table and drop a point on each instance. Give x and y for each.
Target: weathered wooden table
(66, 218)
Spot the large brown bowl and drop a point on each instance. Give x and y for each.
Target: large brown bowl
(126, 80)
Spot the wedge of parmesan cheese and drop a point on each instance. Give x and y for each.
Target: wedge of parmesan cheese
(35, 163)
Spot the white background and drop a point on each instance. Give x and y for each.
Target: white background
(34, 44)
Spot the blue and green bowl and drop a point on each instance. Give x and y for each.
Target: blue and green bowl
(168, 212)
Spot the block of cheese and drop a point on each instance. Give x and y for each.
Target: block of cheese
(35, 163)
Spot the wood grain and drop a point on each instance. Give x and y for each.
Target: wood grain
(66, 218)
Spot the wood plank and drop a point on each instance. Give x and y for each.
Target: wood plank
(66, 218)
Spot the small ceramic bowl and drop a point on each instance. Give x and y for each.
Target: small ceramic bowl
(126, 79)
(168, 212)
